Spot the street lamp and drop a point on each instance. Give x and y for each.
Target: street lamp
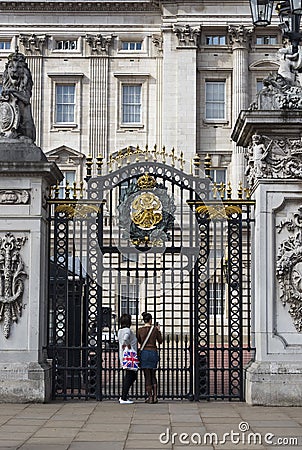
(289, 12)
(262, 11)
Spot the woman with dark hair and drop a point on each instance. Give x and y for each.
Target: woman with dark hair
(127, 339)
(147, 337)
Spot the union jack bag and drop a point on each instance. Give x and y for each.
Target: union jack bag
(130, 360)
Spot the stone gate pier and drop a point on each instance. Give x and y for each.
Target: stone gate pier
(273, 143)
(25, 179)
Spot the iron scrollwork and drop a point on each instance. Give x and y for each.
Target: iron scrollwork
(11, 280)
(289, 267)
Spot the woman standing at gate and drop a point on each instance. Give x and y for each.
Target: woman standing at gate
(126, 338)
(147, 337)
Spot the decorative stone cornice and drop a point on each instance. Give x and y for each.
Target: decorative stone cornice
(239, 36)
(187, 36)
(99, 44)
(32, 43)
(81, 6)
(289, 266)
(273, 158)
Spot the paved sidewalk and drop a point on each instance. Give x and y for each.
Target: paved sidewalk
(110, 426)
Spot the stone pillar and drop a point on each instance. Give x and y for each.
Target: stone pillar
(25, 178)
(33, 47)
(98, 115)
(179, 88)
(157, 40)
(275, 175)
(239, 38)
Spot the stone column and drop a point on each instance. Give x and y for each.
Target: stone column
(179, 88)
(99, 73)
(33, 47)
(25, 178)
(239, 38)
(274, 171)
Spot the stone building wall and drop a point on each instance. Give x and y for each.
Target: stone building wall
(175, 61)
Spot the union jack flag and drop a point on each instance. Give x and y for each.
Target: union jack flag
(130, 360)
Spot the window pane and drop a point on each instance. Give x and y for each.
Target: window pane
(134, 45)
(217, 296)
(69, 177)
(4, 45)
(215, 40)
(129, 299)
(259, 85)
(215, 100)
(266, 40)
(131, 103)
(65, 103)
(66, 45)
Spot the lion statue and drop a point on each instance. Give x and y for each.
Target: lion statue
(15, 116)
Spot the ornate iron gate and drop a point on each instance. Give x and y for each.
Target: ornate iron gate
(149, 237)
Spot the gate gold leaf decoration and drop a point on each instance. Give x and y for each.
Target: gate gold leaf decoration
(146, 209)
(218, 211)
(146, 212)
(77, 211)
(11, 280)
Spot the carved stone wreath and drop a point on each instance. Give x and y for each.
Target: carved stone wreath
(289, 267)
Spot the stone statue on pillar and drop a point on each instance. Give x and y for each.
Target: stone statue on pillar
(16, 119)
(282, 90)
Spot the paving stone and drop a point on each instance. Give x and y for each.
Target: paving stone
(100, 436)
(56, 432)
(44, 447)
(8, 443)
(147, 429)
(105, 445)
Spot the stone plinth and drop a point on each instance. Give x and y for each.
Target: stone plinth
(275, 378)
(25, 179)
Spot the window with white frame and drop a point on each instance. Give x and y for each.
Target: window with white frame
(266, 40)
(65, 103)
(216, 298)
(66, 44)
(218, 175)
(132, 46)
(215, 40)
(5, 44)
(68, 180)
(215, 100)
(129, 298)
(131, 103)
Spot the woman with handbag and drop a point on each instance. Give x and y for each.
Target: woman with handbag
(148, 336)
(127, 340)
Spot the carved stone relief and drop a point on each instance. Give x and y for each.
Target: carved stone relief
(12, 276)
(289, 267)
(14, 197)
(157, 40)
(99, 44)
(239, 35)
(33, 43)
(273, 158)
(187, 36)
